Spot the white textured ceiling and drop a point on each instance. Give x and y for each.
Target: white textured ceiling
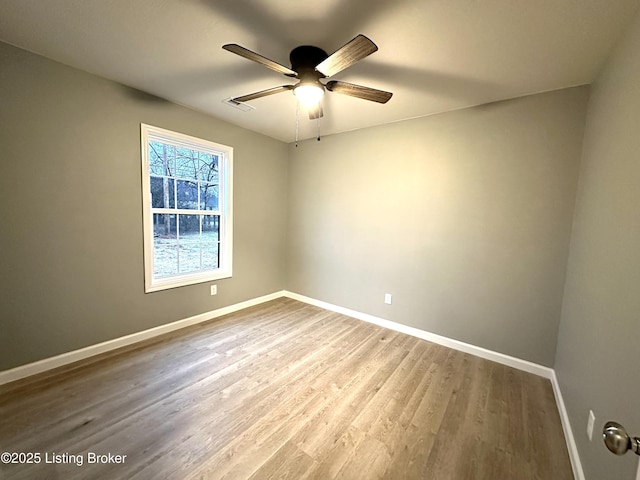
(434, 55)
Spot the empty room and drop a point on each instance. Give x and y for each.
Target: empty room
(266, 239)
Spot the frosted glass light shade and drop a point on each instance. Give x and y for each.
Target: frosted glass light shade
(308, 95)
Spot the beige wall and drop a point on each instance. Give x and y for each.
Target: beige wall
(599, 342)
(70, 209)
(464, 217)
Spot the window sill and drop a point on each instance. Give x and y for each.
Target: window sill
(185, 280)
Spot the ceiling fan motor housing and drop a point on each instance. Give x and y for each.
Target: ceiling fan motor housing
(304, 60)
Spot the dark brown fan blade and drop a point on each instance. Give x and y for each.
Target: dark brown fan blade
(316, 112)
(357, 49)
(263, 93)
(243, 52)
(366, 93)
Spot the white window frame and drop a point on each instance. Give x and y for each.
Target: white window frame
(225, 208)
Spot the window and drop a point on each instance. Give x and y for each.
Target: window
(186, 184)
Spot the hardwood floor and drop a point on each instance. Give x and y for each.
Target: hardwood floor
(285, 390)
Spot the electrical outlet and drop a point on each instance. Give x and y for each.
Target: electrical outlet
(590, 423)
(214, 289)
(387, 298)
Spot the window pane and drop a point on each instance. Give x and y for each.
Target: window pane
(210, 245)
(208, 196)
(155, 161)
(187, 194)
(162, 192)
(189, 243)
(210, 242)
(165, 260)
(209, 167)
(165, 245)
(189, 257)
(210, 229)
(161, 159)
(164, 227)
(186, 163)
(210, 257)
(189, 228)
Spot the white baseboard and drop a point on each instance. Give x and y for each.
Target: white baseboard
(574, 456)
(501, 358)
(40, 366)
(86, 352)
(514, 362)
(92, 350)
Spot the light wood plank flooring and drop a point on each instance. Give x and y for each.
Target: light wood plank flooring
(286, 390)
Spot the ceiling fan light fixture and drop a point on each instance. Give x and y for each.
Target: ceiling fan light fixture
(309, 94)
(309, 65)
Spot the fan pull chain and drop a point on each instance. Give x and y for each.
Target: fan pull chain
(297, 122)
(318, 129)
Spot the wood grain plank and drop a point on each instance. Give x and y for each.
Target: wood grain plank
(286, 390)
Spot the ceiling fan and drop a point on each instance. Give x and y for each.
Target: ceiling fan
(309, 64)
